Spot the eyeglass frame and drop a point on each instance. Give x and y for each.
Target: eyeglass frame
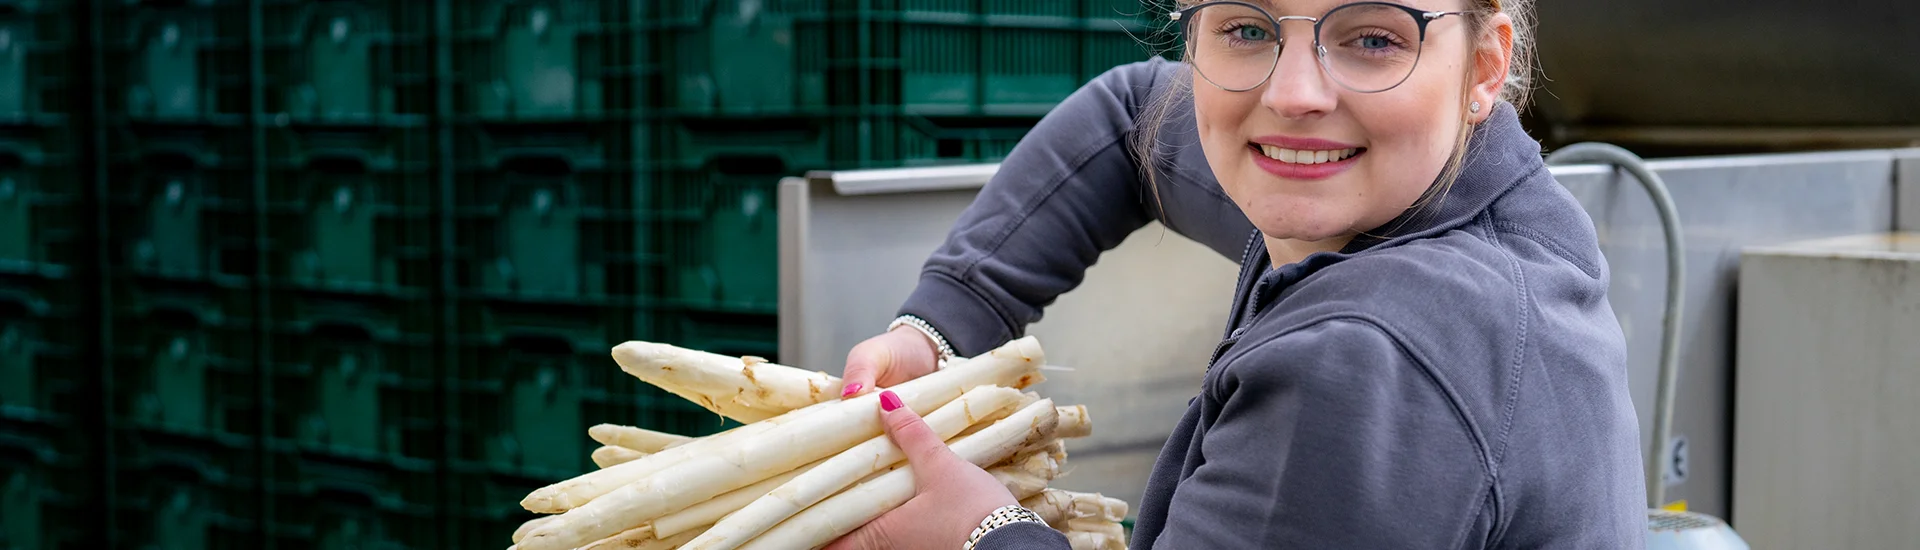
(1420, 17)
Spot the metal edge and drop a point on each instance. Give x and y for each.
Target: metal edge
(1771, 159)
(794, 215)
(1906, 190)
(1863, 246)
(907, 180)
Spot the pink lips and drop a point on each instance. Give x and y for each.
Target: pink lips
(1293, 171)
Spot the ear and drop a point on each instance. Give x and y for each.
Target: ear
(1493, 54)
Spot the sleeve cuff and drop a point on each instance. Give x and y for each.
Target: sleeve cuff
(966, 319)
(1023, 536)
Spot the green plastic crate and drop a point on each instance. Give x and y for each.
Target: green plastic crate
(180, 203)
(37, 63)
(339, 229)
(725, 257)
(184, 360)
(327, 503)
(177, 62)
(40, 204)
(354, 377)
(742, 58)
(44, 370)
(185, 493)
(351, 210)
(534, 60)
(350, 62)
(45, 490)
(967, 59)
(547, 213)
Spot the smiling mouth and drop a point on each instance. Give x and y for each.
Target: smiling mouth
(1304, 156)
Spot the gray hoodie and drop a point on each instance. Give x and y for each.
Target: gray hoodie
(1458, 383)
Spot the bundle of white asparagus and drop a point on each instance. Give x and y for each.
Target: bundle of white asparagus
(808, 467)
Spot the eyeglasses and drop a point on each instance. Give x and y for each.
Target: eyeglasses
(1367, 47)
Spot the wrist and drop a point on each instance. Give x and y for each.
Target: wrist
(942, 350)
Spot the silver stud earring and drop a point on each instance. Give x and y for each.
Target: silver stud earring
(1473, 107)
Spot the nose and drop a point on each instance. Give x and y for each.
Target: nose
(1299, 89)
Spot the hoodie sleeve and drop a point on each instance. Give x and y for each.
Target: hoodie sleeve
(1068, 192)
(1332, 436)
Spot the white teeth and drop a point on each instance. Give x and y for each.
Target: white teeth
(1294, 156)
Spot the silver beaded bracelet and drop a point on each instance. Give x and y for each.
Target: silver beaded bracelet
(941, 348)
(1006, 515)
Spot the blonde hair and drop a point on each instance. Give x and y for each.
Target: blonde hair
(1517, 90)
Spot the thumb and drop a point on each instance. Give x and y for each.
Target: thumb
(926, 453)
(866, 363)
(880, 533)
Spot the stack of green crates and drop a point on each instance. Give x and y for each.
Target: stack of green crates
(48, 456)
(186, 406)
(350, 270)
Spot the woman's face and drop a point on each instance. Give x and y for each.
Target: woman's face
(1308, 159)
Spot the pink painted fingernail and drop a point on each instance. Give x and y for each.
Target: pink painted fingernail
(851, 389)
(889, 402)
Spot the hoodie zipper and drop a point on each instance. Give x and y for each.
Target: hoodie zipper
(1238, 314)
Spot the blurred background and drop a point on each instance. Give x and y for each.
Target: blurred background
(345, 273)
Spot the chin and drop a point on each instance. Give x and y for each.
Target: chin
(1308, 229)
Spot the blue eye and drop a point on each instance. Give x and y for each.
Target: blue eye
(1375, 42)
(1251, 33)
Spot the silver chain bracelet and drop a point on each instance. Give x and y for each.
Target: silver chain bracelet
(943, 350)
(1006, 515)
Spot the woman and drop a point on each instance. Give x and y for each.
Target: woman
(1420, 353)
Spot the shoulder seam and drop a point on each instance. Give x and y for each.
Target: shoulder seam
(1536, 236)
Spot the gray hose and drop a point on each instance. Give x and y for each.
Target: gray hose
(1676, 276)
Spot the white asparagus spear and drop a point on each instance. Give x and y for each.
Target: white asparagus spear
(565, 495)
(1055, 447)
(845, 469)
(1074, 423)
(704, 514)
(609, 456)
(1101, 535)
(1027, 475)
(1056, 506)
(835, 517)
(529, 526)
(748, 382)
(646, 441)
(641, 538)
(594, 513)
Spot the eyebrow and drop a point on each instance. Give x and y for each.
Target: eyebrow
(1274, 5)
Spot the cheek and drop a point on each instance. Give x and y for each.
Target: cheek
(1219, 117)
(1414, 132)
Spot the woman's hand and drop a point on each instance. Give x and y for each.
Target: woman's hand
(896, 356)
(950, 498)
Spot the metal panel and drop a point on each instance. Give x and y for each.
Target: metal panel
(1828, 390)
(852, 251)
(1725, 203)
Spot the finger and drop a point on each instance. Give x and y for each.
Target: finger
(911, 355)
(865, 364)
(926, 453)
